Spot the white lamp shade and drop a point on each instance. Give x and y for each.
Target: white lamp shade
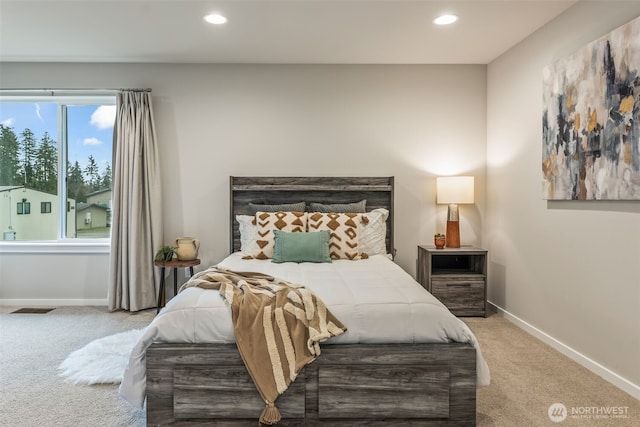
(454, 189)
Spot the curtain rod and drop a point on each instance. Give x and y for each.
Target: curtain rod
(52, 90)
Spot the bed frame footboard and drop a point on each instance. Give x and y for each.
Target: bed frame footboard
(354, 384)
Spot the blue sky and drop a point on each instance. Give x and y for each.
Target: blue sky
(90, 127)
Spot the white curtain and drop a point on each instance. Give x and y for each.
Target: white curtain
(137, 205)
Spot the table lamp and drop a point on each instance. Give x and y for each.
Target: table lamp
(454, 190)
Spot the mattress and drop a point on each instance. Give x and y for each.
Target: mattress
(375, 298)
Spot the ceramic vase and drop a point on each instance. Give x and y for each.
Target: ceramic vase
(187, 248)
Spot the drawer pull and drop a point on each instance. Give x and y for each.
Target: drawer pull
(459, 285)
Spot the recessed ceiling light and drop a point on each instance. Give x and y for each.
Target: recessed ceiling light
(445, 19)
(215, 18)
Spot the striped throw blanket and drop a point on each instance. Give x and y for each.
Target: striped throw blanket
(273, 320)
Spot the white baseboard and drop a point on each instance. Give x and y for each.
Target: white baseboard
(51, 302)
(610, 376)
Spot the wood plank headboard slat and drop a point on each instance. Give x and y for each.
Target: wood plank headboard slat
(311, 187)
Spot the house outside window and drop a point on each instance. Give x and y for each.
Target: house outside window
(55, 150)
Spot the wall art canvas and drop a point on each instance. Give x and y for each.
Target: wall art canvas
(591, 120)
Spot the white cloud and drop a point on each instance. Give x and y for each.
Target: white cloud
(104, 116)
(91, 141)
(38, 112)
(8, 122)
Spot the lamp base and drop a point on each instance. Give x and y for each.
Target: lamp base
(453, 234)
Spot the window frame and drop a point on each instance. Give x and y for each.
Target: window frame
(63, 99)
(23, 208)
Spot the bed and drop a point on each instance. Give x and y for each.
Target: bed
(422, 370)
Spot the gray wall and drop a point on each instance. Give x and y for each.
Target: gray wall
(213, 121)
(567, 271)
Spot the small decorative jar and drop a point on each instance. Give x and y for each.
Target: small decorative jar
(187, 248)
(439, 240)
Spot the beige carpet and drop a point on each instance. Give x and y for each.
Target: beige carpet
(32, 346)
(527, 375)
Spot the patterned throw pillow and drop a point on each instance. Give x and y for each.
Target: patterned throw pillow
(344, 228)
(283, 221)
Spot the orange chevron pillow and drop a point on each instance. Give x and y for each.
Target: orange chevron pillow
(345, 231)
(269, 221)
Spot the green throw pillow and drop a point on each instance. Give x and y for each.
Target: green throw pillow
(301, 247)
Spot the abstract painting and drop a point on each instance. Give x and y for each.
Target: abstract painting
(591, 120)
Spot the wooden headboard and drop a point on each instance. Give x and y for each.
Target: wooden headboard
(378, 191)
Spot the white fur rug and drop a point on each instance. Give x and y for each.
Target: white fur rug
(101, 361)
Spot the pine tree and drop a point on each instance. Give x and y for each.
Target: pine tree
(92, 172)
(106, 178)
(76, 187)
(46, 165)
(27, 156)
(9, 156)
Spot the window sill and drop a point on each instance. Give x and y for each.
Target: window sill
(83, 247)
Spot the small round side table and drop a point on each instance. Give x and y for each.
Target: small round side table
(175, 264)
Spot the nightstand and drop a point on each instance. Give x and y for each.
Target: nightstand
(456, 276)
(175, 264)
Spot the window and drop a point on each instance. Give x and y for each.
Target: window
(56, 151)
(24, 208)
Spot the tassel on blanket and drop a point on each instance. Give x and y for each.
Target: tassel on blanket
(270, 415)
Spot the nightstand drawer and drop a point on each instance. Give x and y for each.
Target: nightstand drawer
(463, 296)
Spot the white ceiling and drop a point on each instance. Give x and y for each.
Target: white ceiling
(267, 31)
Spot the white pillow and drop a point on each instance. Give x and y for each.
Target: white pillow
(373, 234)
(248, 234)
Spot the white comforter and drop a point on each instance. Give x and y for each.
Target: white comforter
(377, 301)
